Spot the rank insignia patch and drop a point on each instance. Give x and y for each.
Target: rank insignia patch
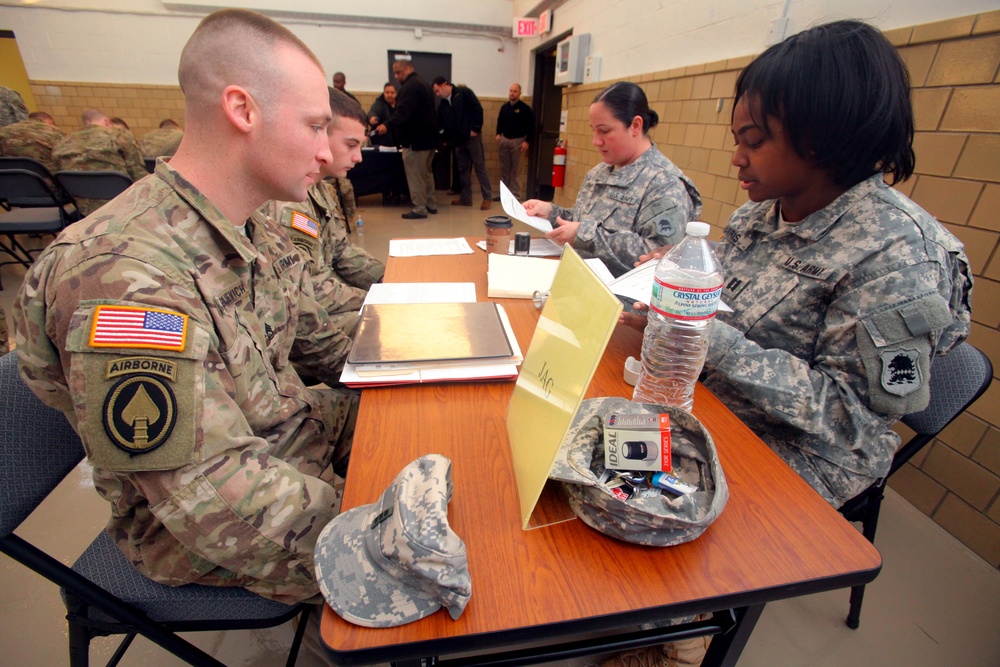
(305, 224)
(131, 326)
(900, 372)
(139, 413)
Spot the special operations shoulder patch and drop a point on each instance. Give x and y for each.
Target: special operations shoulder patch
(139, 413)
(900, 371)
(137, 327)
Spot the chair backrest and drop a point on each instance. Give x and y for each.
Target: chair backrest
(24, 188)
(27, 163)
(38, 447)
(94, 184)
(150, 163)
(957, 380)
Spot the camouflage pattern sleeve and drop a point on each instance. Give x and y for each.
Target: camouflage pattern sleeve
(834, 326)
(201, 497)
(627, 211)
(12, 107)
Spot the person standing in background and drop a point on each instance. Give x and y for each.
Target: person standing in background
(414, 126)
(461, 117)
(380, 113)
(515, 126)
(339, 82)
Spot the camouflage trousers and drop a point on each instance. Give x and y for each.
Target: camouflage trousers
(837, 485)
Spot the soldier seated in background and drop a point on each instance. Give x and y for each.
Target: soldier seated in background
(32, 138)
(162, 142)
(341, 271)
(98, 146)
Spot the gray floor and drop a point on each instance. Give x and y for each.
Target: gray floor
(935, 603)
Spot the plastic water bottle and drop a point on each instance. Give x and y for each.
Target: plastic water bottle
(687, 286)
(360, 226)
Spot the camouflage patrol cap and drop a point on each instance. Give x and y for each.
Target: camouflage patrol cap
(658, 520)
(397, 560)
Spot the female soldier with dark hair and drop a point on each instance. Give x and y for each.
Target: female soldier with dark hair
(636, 199)
(842, 289)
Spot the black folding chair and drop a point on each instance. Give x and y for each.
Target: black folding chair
(103, 592)
(30, 164)
(19, 185)
(957, 380)
(94, 184)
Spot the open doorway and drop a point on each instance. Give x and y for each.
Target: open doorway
(546, 102)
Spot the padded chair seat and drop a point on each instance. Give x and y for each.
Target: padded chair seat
(105, 565)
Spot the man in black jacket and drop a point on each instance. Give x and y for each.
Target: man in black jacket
(461, 116)
(414, 127)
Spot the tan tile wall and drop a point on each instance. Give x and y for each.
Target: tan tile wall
(955, 72)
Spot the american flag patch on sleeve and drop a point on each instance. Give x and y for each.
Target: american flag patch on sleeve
(305, 224)
(131, 326)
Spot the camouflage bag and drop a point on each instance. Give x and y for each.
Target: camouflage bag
(660, 520)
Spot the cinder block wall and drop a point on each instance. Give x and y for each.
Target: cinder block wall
(143, 107)
(954, 69)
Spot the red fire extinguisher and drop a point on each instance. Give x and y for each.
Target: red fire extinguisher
(559, 165)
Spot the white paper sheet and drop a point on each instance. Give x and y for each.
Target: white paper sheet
(637, 284)
(424, 247)
(514, 209)
(539, 248)
(518, 277)
(421, 293)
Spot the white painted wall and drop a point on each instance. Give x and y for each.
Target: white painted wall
(637, 36)
(139, 41)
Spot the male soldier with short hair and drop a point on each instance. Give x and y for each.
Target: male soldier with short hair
(31, 138)
(342, 272)
(162, 141)
(98, 146)
(164, 327)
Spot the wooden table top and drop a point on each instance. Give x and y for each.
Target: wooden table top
(776, 538)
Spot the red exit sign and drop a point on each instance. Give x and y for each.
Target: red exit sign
(525, 27)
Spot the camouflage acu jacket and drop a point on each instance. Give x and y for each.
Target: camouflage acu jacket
(826, 312)
(627, 211)
(166, 336)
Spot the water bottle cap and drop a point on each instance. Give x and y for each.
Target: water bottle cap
(698, 228)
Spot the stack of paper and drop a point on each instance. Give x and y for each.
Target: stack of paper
(407, 335)
(515, 277)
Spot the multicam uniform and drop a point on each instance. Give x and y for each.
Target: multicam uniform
(627, 211)
(12, 108)
(99, 148)
(166, 337)
(163, 141)
(32, 139)
(835, 321)
(342, 271)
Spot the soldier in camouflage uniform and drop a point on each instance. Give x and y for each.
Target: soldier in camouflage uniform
(12, 108)
(341, 271)
(99, 147)
(165, 327)
(162, 141)
(32, 139)
(842, 289)
(633, 202)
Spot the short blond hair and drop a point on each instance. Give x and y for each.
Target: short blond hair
(235, 47)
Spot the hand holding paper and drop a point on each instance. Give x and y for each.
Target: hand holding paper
(514, 209)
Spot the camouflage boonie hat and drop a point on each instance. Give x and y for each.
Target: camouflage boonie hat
(396, 561)
(661, 520)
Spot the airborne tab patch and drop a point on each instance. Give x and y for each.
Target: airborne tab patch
(137, 327)
(305, 224)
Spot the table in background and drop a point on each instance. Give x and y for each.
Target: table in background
(379, 172)
(775, 539)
